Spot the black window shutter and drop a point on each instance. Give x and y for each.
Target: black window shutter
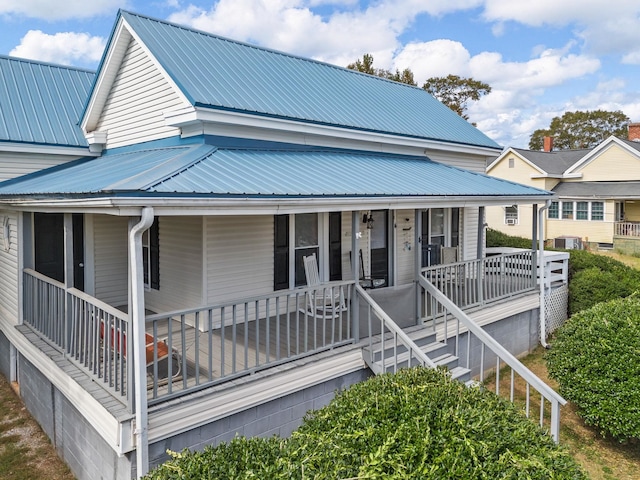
(281, 252)
(335, 246)
(154, 254)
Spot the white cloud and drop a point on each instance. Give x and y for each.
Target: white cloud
(437, 58)
(66, 47)
(51, 10)
(340, 37)
(554, 12)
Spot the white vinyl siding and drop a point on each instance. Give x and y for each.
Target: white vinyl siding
(133, 112)
(110, 254)
(346, 246)
(14, 165)
(405, 253)
(181, 269)
(239, 257)
(469, 234)
(9, 271)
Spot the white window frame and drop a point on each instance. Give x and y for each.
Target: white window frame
(322, 246)
(511, 215)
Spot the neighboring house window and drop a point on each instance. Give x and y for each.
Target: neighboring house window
(511, 215)
(567, 210)
(582, 210)
(511, 162)
(554, 210)
(597, 210)
(151, 256)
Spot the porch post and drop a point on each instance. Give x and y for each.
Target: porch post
(417, 255)
(534, 246)
(355, 264)
(68, 277)
(136, 320)
(479, 254)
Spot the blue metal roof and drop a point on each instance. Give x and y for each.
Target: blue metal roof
(206, 170)
(218, 73)
(41, 103)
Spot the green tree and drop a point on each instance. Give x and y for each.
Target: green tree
(456, 92)
(581, 129)
(366, 66)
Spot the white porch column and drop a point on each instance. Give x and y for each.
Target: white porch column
(355, 264)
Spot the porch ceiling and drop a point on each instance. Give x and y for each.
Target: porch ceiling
(190, 173)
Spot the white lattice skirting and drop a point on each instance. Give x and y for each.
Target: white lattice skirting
(555, 308)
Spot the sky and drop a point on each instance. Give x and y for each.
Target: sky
(541, 58)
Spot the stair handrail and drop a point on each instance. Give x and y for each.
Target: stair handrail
(545, 390)
(393, 327)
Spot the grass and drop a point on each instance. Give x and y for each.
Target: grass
(602, 458)
(25, 450)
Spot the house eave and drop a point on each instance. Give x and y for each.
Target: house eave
(35, 148)
(131, 206)
(198, 120)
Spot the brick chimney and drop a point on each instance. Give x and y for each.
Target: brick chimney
(634, 132)
(547, 142)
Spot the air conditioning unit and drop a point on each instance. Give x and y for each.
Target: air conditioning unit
(568, 243)
(511, 221)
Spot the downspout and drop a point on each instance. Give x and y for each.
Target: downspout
(543, 325)
(137, 317)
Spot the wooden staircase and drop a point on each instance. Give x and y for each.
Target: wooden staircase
(397, 356)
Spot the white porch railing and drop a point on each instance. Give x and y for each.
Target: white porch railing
(188, 349)
(87, 331)
(478, 282)
(468, 337)
(389, 346)
(627, 229)
(220, 342)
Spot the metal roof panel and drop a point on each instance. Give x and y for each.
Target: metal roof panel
(207, 170)
(254, 80)
(41, 103)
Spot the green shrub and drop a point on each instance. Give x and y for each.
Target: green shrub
(242, 458)
(593, 285)
(416, 424)
(581, 260)
(595, 358)
(597, 278)
(499, 239)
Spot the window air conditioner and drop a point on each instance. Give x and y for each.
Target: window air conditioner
(511, 221)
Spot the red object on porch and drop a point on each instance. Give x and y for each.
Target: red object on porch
(161, 346)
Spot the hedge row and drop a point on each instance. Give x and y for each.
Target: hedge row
(595, 357)
(417, 423)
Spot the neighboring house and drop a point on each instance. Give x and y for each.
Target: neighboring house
(155, 296)
(597, 193)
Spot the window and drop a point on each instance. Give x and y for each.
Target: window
(151, 256)
(582, 210)
(511, 215)
(597, 210)
(299, 235)
(306, 243)
(511, 162)
(554, 210)
(567, 210)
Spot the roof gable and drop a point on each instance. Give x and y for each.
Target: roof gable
(597, 155)
(41, 103)
(256, 81)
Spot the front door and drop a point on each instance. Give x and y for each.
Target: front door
(380, 245)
